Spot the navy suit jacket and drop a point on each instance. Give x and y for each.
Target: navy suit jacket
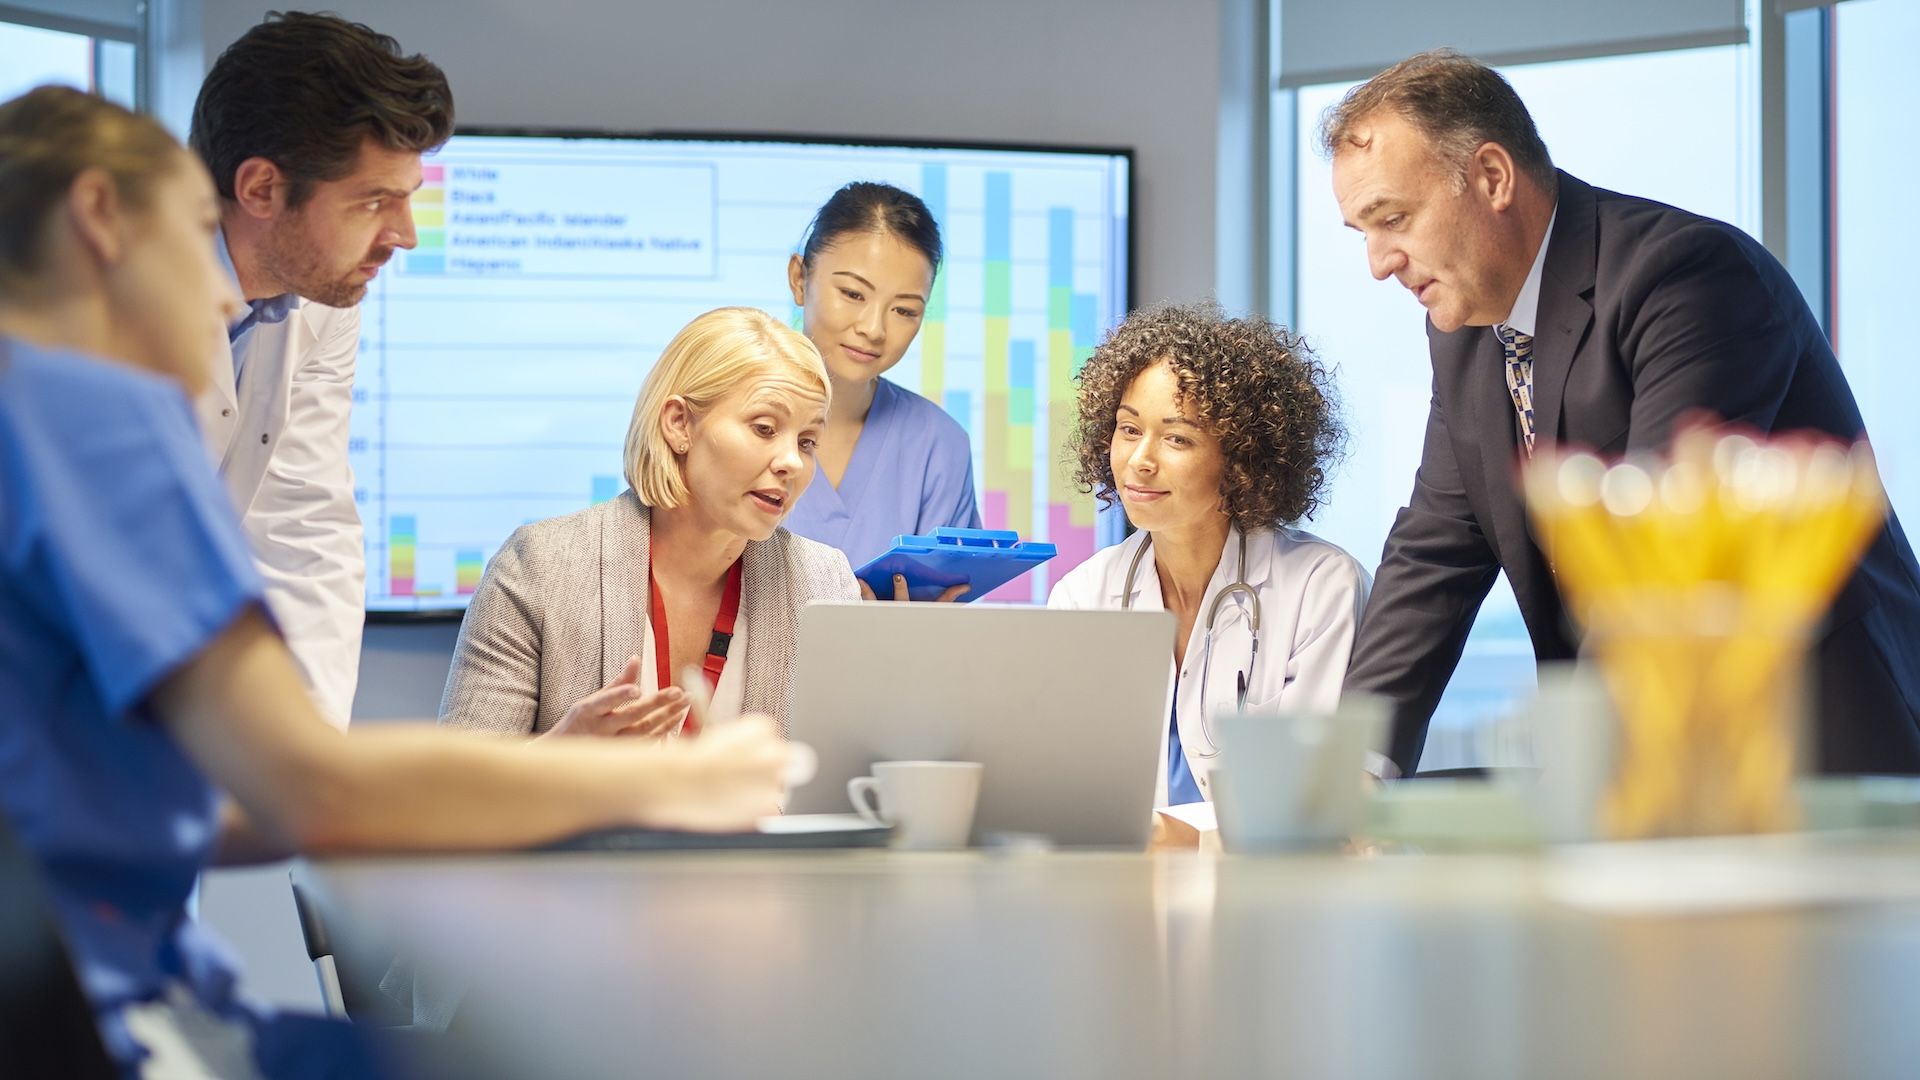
(1647, 313)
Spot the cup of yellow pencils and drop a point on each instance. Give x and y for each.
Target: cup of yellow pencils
(1698, 579)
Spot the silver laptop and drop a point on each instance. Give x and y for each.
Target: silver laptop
(1063, 708)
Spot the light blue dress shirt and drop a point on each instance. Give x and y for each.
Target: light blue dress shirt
(1526, 306)
(265, 312)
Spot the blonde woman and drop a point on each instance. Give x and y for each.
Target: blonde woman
(583, 622)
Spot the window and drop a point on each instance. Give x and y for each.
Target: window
(33, 56)
(1875, 162)
(1679, 126)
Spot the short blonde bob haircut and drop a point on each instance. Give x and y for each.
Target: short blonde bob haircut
(706, 361)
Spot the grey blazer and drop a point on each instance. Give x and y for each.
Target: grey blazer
(564, 604)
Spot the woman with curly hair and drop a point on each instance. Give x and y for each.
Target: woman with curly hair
(1215, 435)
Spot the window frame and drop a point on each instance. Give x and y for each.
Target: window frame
(98, 33)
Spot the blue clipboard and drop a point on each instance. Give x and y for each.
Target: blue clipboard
(983, 558)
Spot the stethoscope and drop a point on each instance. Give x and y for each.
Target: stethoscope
(1238, 585)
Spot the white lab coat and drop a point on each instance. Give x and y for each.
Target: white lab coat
(1311, 595)
(280, 441)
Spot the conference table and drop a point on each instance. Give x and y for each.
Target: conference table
(1790, 956)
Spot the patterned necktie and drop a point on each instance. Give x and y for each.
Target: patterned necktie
(1519, 349)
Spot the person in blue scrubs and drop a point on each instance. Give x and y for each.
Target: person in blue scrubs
(151, 718)
(892, 462)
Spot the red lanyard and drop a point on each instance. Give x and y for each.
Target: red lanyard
(716, 661)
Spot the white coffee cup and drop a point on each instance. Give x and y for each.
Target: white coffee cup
(929, 803)
(1294, 778)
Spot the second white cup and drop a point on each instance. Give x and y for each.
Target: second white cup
(929, 803)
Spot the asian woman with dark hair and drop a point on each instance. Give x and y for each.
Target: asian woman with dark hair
(893, 461)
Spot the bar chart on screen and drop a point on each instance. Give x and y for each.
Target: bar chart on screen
(501, 357)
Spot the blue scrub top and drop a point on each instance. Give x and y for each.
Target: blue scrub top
(1182, 788)
(120, 559)
(911, 473)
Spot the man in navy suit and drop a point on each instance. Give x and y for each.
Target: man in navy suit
(1558, 312)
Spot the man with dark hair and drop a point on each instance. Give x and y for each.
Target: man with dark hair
(313, 128)
(1558, 312)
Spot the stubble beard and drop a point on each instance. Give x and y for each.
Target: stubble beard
(292, 261)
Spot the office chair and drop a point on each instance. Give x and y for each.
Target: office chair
(46, 1023)
(319, 949)
(348, 992)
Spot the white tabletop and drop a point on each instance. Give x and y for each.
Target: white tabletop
(1785, 957)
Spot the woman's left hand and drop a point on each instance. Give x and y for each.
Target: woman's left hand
(622, 708)
(954, 592)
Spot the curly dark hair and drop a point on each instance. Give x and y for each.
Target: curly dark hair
(1251, 383)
